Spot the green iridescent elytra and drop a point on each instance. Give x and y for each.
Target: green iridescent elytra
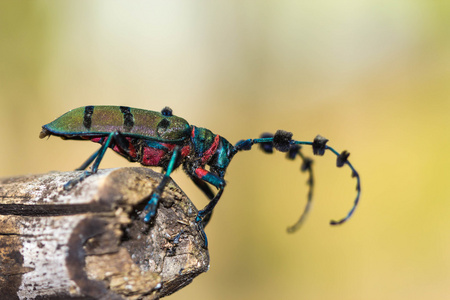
(102, 120)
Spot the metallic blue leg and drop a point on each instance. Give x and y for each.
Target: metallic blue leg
(150, 209)
(209, 208)
(88, 161)
(99, 156)
(208, 192)
(119, 140)
(204, 215)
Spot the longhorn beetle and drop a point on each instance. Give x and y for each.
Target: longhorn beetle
(168, 141)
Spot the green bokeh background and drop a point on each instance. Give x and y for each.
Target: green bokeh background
(372, 76)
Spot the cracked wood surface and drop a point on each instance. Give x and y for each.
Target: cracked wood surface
(89, 242)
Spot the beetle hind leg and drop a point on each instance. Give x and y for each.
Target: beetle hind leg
(71, 183)
(98, 156)
(88, 161)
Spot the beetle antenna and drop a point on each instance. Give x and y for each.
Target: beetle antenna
(306, 167)
(319, 146)
(283, 142)
(293, 151)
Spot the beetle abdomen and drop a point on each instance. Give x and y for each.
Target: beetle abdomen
(102, 120)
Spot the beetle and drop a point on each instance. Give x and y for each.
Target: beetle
(164, 140)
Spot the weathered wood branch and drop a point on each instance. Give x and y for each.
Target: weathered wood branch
(89, 242)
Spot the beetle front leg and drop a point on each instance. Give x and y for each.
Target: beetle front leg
(215, 181)
(204, 215)
(204, 187)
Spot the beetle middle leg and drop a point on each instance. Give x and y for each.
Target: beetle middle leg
(153, 199)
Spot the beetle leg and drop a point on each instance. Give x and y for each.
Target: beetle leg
(119, 141)
(204, 215)
(215, 181)
(88, 161)
(208, 192)
(98, 157)
(153, 199)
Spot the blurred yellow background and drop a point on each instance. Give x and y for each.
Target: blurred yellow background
(371, 76)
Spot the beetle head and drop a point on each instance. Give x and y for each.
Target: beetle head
(222, 157)
(212, 150)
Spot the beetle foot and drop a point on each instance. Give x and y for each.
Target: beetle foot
(150, 209)
(71, 183)
(199, 221)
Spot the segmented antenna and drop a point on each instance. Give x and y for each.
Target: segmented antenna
(319, 148)
(282, 141)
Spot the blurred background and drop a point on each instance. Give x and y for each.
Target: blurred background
(371, 76)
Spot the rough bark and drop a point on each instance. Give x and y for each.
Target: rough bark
(89, 242)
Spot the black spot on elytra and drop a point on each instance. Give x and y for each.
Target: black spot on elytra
(128, 118)
(87, 121)
(162, 126)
